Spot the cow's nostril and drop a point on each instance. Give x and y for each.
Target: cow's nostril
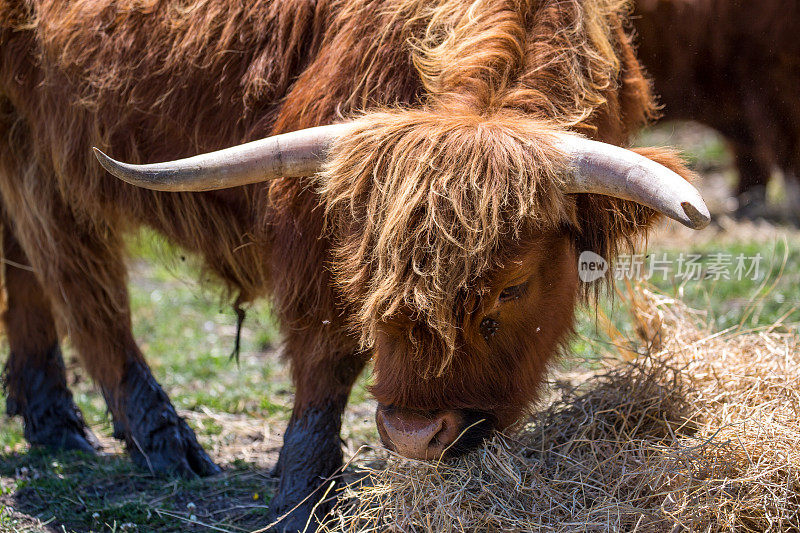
(450, 429)
(419, 435)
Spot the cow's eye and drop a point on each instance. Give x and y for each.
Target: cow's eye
(513, 293)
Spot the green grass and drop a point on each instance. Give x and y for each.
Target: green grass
(772, 296)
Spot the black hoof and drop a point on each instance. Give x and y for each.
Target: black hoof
(82, 440)
(59, 427)
(156, 437)
(170, 448)
(49, 414)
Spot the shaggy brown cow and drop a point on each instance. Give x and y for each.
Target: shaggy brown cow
(733, 65)
(440, 239)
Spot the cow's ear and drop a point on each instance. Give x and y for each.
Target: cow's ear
(610, 226)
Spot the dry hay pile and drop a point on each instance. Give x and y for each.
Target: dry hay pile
(701, 434)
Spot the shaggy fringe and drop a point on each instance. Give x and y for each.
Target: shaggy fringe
(426, 202)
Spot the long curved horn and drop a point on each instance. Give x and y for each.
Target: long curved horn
(595, 167)
(606, 169)
(295, 154)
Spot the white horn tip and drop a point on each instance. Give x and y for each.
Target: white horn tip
(133, 174)
(107, 163)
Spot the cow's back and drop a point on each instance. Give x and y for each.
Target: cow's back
(147, 81)
(154, 80)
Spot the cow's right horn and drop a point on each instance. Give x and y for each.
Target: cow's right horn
(295, 154)
(601, 168)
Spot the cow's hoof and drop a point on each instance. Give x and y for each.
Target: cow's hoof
(59, 427)
(170, 448)
(49, 415)
(156, 437)
(72, 439)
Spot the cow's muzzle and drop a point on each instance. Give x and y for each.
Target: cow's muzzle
(431, 435)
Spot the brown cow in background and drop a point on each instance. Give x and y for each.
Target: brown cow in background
(440, 239)
(733, 65)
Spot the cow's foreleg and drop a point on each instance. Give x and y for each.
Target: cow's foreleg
(34, 377)
(311, 451)
(99, 316)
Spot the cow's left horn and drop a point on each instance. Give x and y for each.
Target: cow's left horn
(295, 154)
(601, 168)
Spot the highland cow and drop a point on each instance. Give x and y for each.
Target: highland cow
(429, 220)
(734, 66)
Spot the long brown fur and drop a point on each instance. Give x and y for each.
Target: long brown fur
(433, 197)
(404, 215)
